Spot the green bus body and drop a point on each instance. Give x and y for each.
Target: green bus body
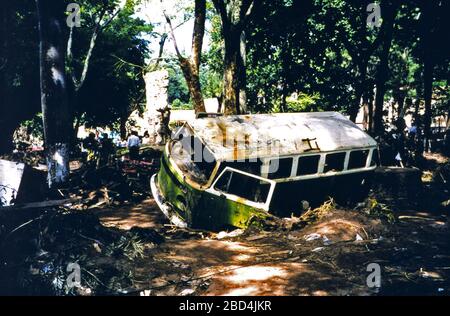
(200, 209)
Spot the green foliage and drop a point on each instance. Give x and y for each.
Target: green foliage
(213, 58)
(319, 47)
(379, 210)
(211, 82)
(303, 102)
(177, 104)
(177, 90)
(131, 247)
(301, 56)
(109, 92)
(34, 126)
(19, 67)
(114, 86)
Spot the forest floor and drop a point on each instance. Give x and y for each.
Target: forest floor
(321, 259)
(130, 249)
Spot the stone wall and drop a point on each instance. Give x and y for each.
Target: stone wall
(156, 85)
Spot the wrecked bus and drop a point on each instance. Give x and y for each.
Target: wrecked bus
(221, 171)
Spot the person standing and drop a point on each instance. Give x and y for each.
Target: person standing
(133, 144)
(90, 148)
(106, 151)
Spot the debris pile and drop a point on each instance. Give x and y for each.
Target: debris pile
(370, 208)
(125, 181)
(41, 243)
(30, 157)
(442, 175)
(374, 208)
(36, 254)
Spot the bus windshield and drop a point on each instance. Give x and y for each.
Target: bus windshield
(192, 156)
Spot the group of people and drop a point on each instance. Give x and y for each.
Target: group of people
(404, 145)
(400, 145)
(101, 150)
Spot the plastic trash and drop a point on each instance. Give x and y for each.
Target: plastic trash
(313, 236)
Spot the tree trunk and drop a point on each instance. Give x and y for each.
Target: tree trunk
(285, 63)
(427, 70)
(234, 15)
(230, 82)
(123, 127)
(54, 103)
(5, 130)
(382, 74)
(359, 89)
(366, 114)
(417, 108)
(427, 93)
(191, 67)
(354, 110)
(192, 77)
(242, 75)
(370, 110)
(284, 92)
(400, 99)
(234, 74)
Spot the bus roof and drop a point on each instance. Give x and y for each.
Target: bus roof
(235, 137)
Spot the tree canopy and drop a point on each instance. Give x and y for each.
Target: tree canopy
(311, 55)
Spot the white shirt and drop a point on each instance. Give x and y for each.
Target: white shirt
(133, 141)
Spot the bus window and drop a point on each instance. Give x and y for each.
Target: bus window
(334, 162)
(280, 168)
(308, 165)
(358, 159)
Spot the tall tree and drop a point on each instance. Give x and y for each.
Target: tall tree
(107, 11)
(360, 42)
(235, 15)
(116, 66)
(388, 11)
(191, 66)
(4, 21)
(56, 119)
(101, 14)
(430, 13)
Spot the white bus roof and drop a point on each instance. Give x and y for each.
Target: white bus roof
(235, 137)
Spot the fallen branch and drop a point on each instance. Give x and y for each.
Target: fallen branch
(42, 204)
(416, 217)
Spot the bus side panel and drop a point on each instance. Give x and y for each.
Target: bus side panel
(217, 212)
(288, 196)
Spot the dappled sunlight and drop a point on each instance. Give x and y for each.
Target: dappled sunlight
(209, 252)
(242, 257)
(262, 279)
(255, 273)
(243, 291)
(145, 215)
(320, 293)
(339, 229)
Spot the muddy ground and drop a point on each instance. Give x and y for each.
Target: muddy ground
(413, 254)
(130, 249)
